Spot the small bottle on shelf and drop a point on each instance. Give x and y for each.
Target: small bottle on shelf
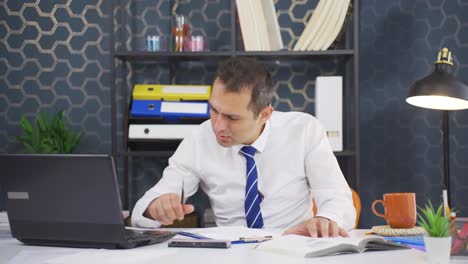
(149, 43)
(196, 43)
(181, 32)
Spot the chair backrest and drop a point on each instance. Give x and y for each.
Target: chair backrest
(357, 206)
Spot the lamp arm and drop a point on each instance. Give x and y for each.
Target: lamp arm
(445, 137)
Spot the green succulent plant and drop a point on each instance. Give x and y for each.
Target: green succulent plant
(48, 135)
(434, 221)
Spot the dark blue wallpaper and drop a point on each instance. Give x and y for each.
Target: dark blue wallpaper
(401, 145)
(55, 55)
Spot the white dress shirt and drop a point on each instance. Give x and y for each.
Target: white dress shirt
(293, 158)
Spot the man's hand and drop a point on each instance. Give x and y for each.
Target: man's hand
(317, 227)
(167, 208)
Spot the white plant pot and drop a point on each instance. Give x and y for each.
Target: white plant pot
(438, 249)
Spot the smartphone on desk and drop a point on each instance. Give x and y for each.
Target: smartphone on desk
(200, 243)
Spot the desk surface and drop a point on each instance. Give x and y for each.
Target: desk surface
(12, 251)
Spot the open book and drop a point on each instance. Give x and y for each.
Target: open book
(317, 247)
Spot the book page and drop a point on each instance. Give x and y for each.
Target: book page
(377, 244)
(310, 247)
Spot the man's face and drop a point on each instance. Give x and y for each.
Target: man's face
(233, 122)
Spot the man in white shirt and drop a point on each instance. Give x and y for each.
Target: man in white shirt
(291, 159)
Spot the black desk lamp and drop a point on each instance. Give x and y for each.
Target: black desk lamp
(442, 91)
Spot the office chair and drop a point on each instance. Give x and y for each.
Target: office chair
(356, 202)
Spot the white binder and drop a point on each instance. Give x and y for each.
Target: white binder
(164, 131)
(329, 108)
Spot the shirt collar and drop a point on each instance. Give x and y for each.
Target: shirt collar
(260, 143)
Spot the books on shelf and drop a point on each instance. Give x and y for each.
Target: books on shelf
(338, 25)
(308, 247)
(324, 28)
(171, 92)
(324, 25)
(247, 30)
(259, 25)
(314, 24)
(329, 108)
(272, 26)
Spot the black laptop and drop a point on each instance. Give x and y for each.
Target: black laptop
(68, 200)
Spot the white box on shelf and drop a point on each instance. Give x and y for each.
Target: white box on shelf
(329, 108)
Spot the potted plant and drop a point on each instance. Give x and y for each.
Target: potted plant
(438, 228)
(48, 135)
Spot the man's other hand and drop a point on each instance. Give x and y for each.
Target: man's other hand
(167, 208)
(317, 227)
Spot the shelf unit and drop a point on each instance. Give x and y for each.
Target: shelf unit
(349, 55)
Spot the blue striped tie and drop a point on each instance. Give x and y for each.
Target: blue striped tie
(253, 213)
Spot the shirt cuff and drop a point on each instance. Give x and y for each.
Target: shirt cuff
(345, 220)
(138, 219)
(337, 219)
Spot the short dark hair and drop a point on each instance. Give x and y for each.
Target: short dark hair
(245, 73)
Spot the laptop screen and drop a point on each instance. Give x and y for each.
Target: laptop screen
(62, 196)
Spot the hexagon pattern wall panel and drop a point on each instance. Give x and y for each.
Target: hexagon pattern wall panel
(401, 145)
(55, 56)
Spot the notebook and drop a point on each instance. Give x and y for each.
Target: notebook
(68, 200)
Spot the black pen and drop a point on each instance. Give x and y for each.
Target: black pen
(255, 239)
(182, 194)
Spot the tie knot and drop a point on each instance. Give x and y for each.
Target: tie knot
(248, 151)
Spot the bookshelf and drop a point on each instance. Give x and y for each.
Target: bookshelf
(347, 56)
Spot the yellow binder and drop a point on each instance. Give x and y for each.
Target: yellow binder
(170, 92)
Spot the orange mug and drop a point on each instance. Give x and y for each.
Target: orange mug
(400, 209)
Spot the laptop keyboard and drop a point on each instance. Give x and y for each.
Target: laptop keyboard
(144, 235)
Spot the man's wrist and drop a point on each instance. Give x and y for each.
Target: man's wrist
(147, 214)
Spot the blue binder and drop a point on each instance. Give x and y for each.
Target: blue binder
(170, 110)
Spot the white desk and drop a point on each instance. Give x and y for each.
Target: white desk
(12, 251)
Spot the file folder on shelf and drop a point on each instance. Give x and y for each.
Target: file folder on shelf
(329, 108)
(160, 132)
(170, 110)
(171, 92)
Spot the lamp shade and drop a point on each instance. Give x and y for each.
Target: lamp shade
(440, 89)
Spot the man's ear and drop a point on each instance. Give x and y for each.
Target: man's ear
(265, 114)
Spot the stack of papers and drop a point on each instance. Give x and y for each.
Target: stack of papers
(230, 233)
(235, 233)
